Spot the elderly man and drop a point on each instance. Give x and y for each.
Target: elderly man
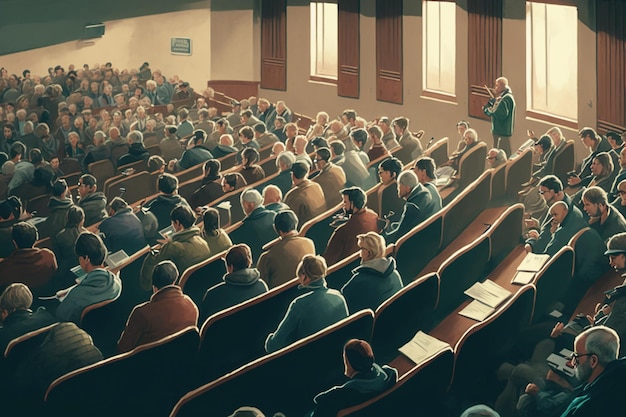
(418, 207)
(501, 109)
(195, 153)
(262, 136)
(596, 364)
(496, 157)
(226, 146)
(565, 224)
(257, 227)
(306, 198)
(168, 311)
(343, 242)
(273, 199)
(329, 176)
(136, 150)
(278, 263)
(284, 162)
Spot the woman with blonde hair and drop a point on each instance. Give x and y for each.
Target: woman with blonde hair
(376, 279)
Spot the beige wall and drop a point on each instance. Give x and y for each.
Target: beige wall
(128, 43)
(235, 47)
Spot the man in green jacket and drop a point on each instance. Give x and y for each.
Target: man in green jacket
(185, 247)
(501, 109)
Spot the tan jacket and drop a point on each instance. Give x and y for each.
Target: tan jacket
(278, 264)
(332, 179)
(307, 200)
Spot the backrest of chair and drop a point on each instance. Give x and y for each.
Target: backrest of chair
(136, 187)
(190, 173)
(19, 346)
(552, 281)
(459, 272)
(505, 233)
(186, 189)
(72, 179)
(102, 170)
(421, 389)
(154, 150)
(148, 379)
(198, 278)
(236, 336)
(265, 152)
(70, 166)
(283, 387)
(472, 164)
(373, 199)
(465, 208)
(498, 184)
(40, 205)
(150, 139)
(414, 250)
(564, 161)
(117, 152)
(319, 228)
(269, 166)
(518, 172)
(389, 201)
(104, 321)
(340, 273)
(439, 151)
(491, 338)
(401, 316)
(230, 160)
(138, 166)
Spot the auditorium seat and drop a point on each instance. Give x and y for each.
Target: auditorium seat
(136, 187)
(417, 248)
(138, 166)
(39, 205)
(70, 166)
(102, 170)
(286, 380)
(421, 391)
(505, 233)
(319, 228)
(145, 381)
(552, 281)
(498, 184)
(104, 321)
(398, 319)
(564, 161)
(340, 273)
(518, 171)
(190, 173)
(198, 278)
(439, 151)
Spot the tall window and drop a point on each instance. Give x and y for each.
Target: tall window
(439, 23)
(324, 40)
(552, 60)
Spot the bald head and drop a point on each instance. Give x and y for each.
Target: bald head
(272, 194)
(558, 211)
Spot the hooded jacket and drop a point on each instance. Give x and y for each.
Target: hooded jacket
(56, 219)
(124, 231)
(372, 283)
(162, 206)
(237, 287)
(31, 266)
(94, 205)
(186, 248)
(419, 206)
(98, 285)
(361, 387)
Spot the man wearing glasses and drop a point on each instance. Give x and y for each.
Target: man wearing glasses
(596, 365)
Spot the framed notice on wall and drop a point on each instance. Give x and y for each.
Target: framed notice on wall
(180, 46)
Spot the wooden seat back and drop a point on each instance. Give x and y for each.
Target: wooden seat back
(564, 161)
(518, 171)
(505, 233)
(471, 164)
(439, 151)
(319, 228)
(552, 281)
(136, 187)
(498, 184)
(198, 278)
(104, 321)
(414, 250)
(102, 170)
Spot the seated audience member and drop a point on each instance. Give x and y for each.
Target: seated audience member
(424, 168)
(279, 129)
(312, 311)
(596, 365)
(98, 152)
(565, 224)
(98, 285)
(170, 145)
(122, 230)
(284, 163)
(241, 283)
(195, 153)
(32, 266)
(279, 262)
(306, 198)
(168, 311)
(232, 182)
(470, 138)
(185, 127)
(545, 148)
(156, 163)
(619, 175)
(343, 242)
(59, 204)
(93, 202)
(337, 149)
(355, 161)
(496, 157)
(378, 148)
(620, 201)
(65, 241)
(72, 150)
(273, 199)
(257, 227)
(299, 146)
(11, 212)
(211, 188)
(329, 176)
(263, 137)
(136, 150)
(461, 127)
(320, 126)
(389, 137)
(596, 144)
(419, 205)
(246, 140)
(601, 176)
(168, 198)
(551, 190)
(250, 170)
(17, 318)
(480, 410)
(226, 147)
(410, 144)
(25, 170)
(215, 237)
(376, 279)
(607, 221)
(366, 380)
(185, 247)
(388, 171)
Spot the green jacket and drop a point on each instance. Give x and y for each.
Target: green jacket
(503, 118)
(186, 248)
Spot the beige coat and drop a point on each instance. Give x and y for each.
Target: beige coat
(307, 200)
(278, 264)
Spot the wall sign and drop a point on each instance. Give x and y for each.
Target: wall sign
(180, 46)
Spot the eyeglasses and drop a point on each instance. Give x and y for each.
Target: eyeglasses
(574, 357)
(542, 192)
(620, 192)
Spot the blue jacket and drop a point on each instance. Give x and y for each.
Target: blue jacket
(98, 285)
(372, 283)
(308, 314)
(256, 230)
(419, 206)
(124, 231)
(194, 156)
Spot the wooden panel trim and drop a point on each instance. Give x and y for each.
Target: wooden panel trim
(552, 119)
(389, 56)
(274, 44)
(348, 48)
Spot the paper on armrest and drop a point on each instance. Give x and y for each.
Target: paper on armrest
(477, 311)
(422, 347)
(533, 262)
(488, 293)
(523, 277)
